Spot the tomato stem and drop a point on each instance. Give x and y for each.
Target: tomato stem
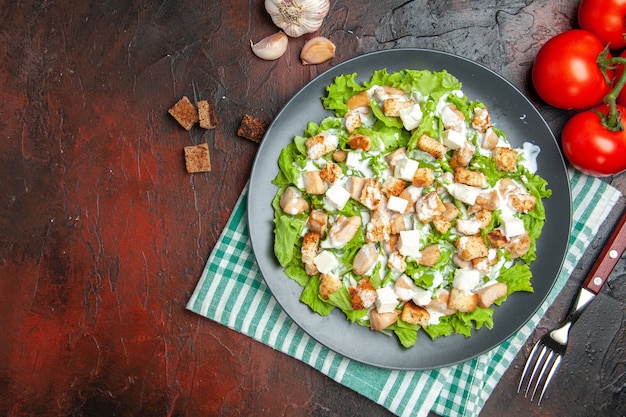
(612, 121)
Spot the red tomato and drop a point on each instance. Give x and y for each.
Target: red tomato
(606, 19)
(565, 73)
(592, 148)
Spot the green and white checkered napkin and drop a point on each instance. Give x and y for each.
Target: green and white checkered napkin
(232, 292)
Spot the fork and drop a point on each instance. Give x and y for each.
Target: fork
(548, 352)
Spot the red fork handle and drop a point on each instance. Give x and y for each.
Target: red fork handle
(609, 257)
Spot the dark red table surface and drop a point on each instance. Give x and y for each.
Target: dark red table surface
(103, 234)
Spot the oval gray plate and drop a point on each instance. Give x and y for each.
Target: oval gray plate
(512, 113)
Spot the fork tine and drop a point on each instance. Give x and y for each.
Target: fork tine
(555, 366)
(546, 365)
(529, 361)
(538, 363)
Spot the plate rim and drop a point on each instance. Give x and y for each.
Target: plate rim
(265, 143)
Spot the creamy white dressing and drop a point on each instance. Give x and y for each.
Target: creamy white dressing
(530, 152)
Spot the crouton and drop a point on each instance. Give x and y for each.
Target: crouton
(310, 247)
(206, 115)
(331, 172)
(414, 314)
(359, 142)
(487, 295)
(451, 211)
(424, 177)
(329, 283)
(380, 321)
(468, 177)
(197, 158)
(185, 113)
(484, 217)
(523, 202)
(442, 225)
(470, 247)
(379, 227)
(462, 300)
(393, 186)
(363, 295)
(396, 261)
(252, 128)
(393, 106)
(371, 194)
(430, 255)
(313, 183)
(431, 146)
(505, 158)
(318, 221)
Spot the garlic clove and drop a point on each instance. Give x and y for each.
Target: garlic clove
(317, 50)
(297, 17)
(271, 47)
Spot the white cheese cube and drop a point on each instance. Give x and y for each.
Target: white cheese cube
(336, 197)
(466, 279)
(409, 243)
(397, 204)
(411, 116)
(465, 193)
(453, 139)
(512, 226)
(405, 169)
(422, 297)
(325, 262)
(353, 160)
(386, 300)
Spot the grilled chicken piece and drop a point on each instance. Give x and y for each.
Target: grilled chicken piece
(380, 321)
(487, 295)
(364, 259)
(292, 202)
(343, 230)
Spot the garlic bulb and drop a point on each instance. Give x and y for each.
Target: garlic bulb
(272, 47)
(317, 50)
(297, 17)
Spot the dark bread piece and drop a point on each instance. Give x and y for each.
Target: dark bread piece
(197, 158)
(184, 112)
(252, 128)
(206, 114)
